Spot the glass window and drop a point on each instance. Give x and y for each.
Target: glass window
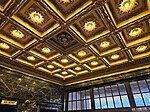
(122, 89)
(70, 96)
(78, 105)
(117, 102)
(102, 92)
(103, 103)
(108, 91)
(110, 102)
(138, 100)
(96, 93)
(125, 101)
(115, 90)
(143, 86)
(146, 97)
(97, 103)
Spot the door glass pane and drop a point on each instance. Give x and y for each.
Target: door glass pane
(74, 105)
(83, 104)
(108, 91)
(88, 102)
(82, 94)
(87, 94)
(146, 97)
(78, 105)
(78, 95)
(74, 95)
(110, 102)
(70, 96)
(143, 86)
(102, 92)
(103, 103)
(115, 90)
(122, 89)
(134, 87)
(125, 101)
(69, 105)
(117, 102)
(138, 100)
(97, 103)
(96, 94)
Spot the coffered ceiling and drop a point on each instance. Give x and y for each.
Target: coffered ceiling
(73, 41)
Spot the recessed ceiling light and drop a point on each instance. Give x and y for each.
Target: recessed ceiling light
(94, 63)
(90, 25)
(64, 73)
(127, 5)
(36, 17)
(66, 1)
(135, 32)
(77, 68)
(50, 66)
(104, 44)
(17, 34)
(64, 60)
(46, 50)
(81, 53)
(141, 48)
(31, 58)
(115, 56)
(4, 46)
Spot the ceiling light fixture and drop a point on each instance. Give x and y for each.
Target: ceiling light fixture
(46, 50)
(135, 32)
(104, 44)
(4, 46)
(31, 58)
(50, 66)
(36, 17)
(64, 60)
(66, 1)
(17, 34)
(94, 63)
(64, 73)
(141, 48)
(115, 56)
(81, 53)
(127, 5)
(77, 68)
(89, 26)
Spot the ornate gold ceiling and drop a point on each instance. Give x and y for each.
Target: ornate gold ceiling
(73, 41)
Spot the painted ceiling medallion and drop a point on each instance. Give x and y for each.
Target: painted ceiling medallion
(17, 34)
(31, 58)
(50, 66)
(36, 17)
(94, 63)
(141, 48)
(135, 32)
(127, 5)
(4, 46)
(104, 44)
(46, 50)
(115, 56)
(90, 26)
(77, 68)
(66, 1)
(64, 60)
(81, 53)
(64, 73)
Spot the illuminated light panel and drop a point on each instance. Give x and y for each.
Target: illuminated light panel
(89, 26)
(31, 58)
(127, 5)
(50, 66)
(64, 61)
(46, 50)
(77, 68)
(4, 46)
(64, 73)
(17, 34)
(36, 17)
(141, 48)
(81, 53)
(104, 44)
(66, 1)
(94, 63)
(135, 32)
(115, 56)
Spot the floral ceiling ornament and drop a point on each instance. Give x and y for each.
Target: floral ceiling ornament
(135, 32)
(36, 17)
(90, 26)
(66, 1)
(17, 34)
(127, 5)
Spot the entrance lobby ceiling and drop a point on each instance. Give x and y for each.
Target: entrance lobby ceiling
(73, 41)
